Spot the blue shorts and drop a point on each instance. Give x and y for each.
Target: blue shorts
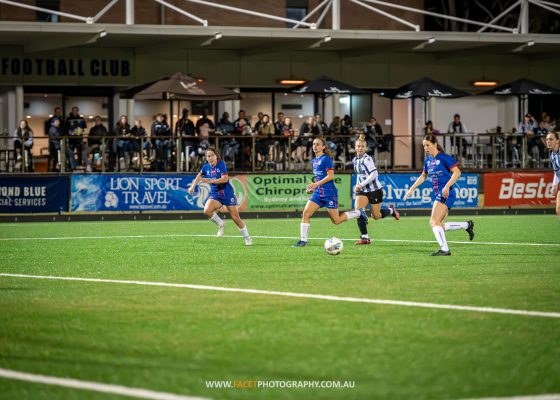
(447, 201)
(226, 198)
(325, 201)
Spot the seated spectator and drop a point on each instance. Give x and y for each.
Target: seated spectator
(94, 141)
(204, 120)
(225, 125)
(23, 143)
(139, 144)
(429, 129)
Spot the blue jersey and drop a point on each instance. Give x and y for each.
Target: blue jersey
(320, 167)
(216, 172)
(439, 169)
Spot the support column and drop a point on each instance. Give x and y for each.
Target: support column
(130, 12)
(130, 111)
(336, 15)
(524, 17)
(19, 104)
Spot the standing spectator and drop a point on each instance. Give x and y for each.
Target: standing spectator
(539, 140)
(23, 143)
(322, 127)
(260, 117)
(75, 127)
(185, 129)
(55, 135)
(160, 134)
(95, 139)
(265, 144)
(279, 124)
(57, 114)
(307, 132)
(225, 125)
(204, 119)
(456, 126)
(122, 132)
(238, 125)
(139, 144)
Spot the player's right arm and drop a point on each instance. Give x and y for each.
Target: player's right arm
(198, 178)
(418, 182)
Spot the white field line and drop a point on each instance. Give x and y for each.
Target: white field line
(553, 396)
(93, 386)
(544, 314)
(267, 237)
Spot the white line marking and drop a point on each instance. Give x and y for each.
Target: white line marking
(301, 295)
(93, 386)
(267, 237)
(554, 396)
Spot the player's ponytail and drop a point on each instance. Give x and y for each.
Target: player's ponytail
(326, 150)
(433, 139)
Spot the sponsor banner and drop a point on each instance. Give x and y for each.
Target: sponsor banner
(518, 188)
(395, 187)
(34, 195)
(282, 192)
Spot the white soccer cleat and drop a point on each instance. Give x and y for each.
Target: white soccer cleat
(221, 230)
(248, 241)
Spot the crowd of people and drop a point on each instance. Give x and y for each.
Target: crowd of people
(129, 146)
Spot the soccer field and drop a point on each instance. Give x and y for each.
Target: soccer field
(393, 325)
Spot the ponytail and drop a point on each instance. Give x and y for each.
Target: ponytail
(433, 139)
(327, 151)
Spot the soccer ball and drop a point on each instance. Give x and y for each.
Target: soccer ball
(333, 246)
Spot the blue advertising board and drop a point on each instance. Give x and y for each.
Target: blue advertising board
(34, 195)
(395, 187)
(136, 193)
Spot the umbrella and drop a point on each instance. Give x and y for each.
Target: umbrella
(325, 86)
(521, 87)
(425, 88)
(179, 87)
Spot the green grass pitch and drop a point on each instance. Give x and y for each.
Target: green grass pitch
(173, 339)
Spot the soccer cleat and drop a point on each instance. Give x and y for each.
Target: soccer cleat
(248, 241)
(301, 243)
(396, 214)
(363, 214)
(441, 253)
(363, 241)
(470, 229)
(221, 230)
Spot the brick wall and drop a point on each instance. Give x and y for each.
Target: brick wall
(150, 12)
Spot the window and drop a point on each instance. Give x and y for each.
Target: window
(296, 9)
(51, 5)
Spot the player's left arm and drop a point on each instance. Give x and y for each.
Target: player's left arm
(456, 174)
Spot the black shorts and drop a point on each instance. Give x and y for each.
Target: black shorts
(375, 197)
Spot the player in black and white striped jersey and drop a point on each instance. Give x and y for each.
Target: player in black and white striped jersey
(368, 189)
(553, 144)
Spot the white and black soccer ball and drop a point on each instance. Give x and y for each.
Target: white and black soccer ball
(334, 246)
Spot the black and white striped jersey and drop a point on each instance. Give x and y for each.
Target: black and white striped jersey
(555, 162)
(363, 167)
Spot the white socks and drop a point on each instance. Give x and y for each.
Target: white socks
(439, 233)
(455, 226)
(216, 219)
(352, 214)
(244, 231)
(304, 229)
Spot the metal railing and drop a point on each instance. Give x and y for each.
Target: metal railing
(255, 153)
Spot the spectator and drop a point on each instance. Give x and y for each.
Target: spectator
(307, 132)
(260, 117)
(456, 126)
(139, 144)
(122, 132)
(265, 143)
(75, 128)
(186, 130)
(204, 120)
(23, 143)
(225, 125)
(539, 140)
(57, 114)
(241, 123)
(160, 133)
(55, 135)
(322, 127)
(95, 138)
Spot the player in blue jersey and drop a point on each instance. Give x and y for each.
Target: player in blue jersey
(214, 173)
(553, 144)
(443, 171)
(324, 192)
(368, 190)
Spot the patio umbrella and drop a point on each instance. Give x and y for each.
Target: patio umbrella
(324, 86)
(425, 88)
(179, 87)
(522, 88)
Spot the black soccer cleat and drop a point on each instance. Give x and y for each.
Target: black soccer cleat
(470, 230)
(441, 253)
